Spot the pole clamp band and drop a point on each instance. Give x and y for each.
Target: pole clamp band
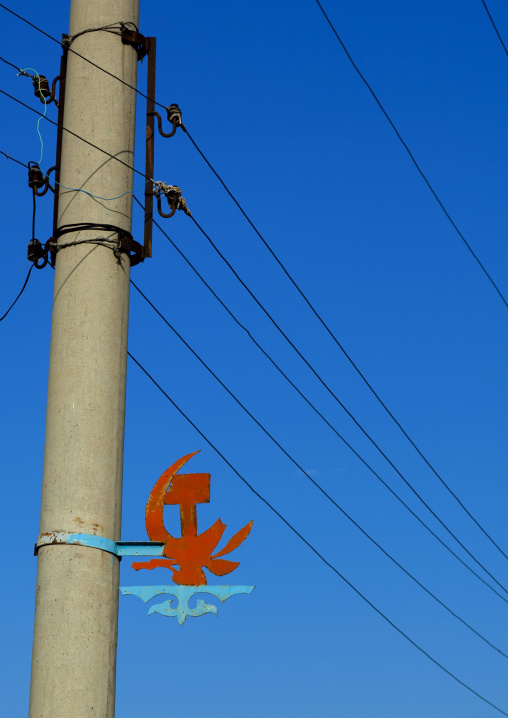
(117, 548)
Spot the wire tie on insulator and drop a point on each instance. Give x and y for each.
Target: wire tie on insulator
(166, 189)
(182, 205)
(174, 114)
(173, 194)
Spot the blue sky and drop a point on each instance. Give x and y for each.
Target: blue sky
(269, 96)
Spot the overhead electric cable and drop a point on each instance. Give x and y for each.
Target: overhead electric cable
(420, 171)
(317, 375)
(494, 26)
(377, 610)
(331, 392)
(312, 548)
(309, 477)
(306, 362)
(346, 355)
(297, 287)
(312, 406)
(12, 65)
(19, 295)
(10, 157)
(338, 434)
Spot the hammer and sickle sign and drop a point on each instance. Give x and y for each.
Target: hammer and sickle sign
(192, 551)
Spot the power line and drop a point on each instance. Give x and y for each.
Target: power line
(309, 477)
(19, 295)
(300, 536)
(286, 272)
(124, 163)
(12, 65)
(321, 320)
(10, 157)
(420, 171)
(295, 349)
(346, 355)
(494, 26)
(338, 434)
(282, 449)
(294, 530)
(34, 264)
(341, 404)
(312, 548)
(313, 370)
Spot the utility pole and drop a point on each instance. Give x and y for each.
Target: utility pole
(76, 609)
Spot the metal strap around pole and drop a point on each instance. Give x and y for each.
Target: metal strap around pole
(117, 548)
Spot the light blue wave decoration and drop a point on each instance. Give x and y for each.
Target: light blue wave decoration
(183, 594)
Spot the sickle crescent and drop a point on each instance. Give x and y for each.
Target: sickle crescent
(154, 520)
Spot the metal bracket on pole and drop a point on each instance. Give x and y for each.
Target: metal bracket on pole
(128, 245)
(136, 40)
(174, 114)
(175, 118)
(149, 151)
(59, 132)
(117, 548)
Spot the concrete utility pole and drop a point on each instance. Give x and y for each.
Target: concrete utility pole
(76, 610)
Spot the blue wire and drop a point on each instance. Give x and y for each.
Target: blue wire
(95, 196)
(43, 115)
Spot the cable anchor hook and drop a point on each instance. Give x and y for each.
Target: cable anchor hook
(174, 114)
